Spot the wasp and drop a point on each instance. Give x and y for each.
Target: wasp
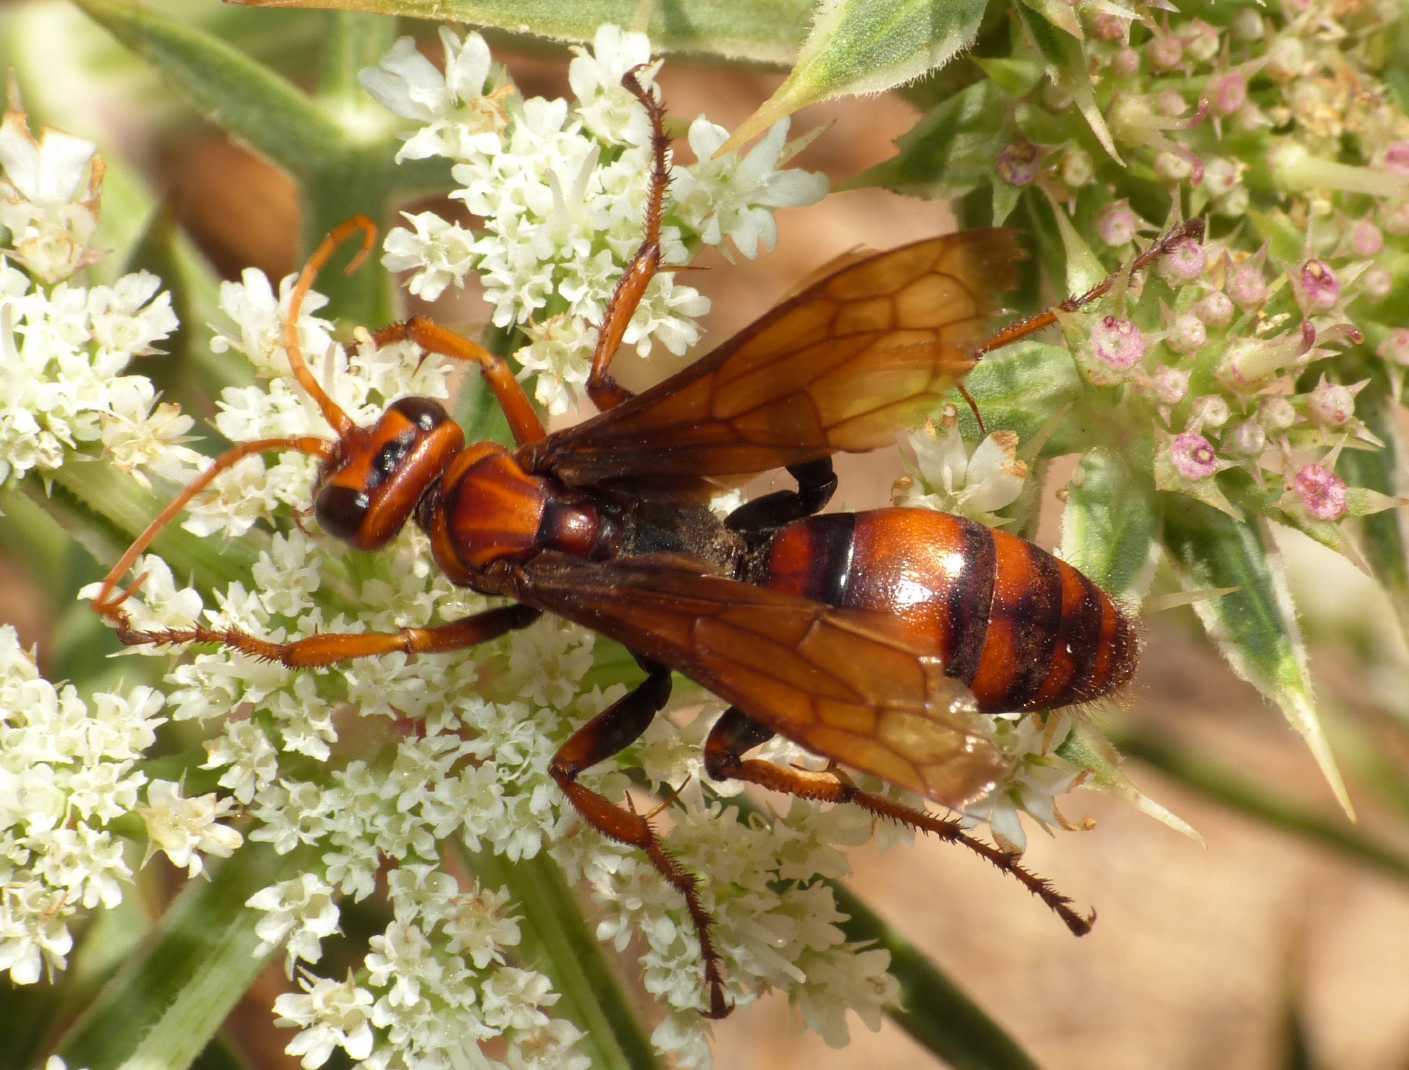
(875, 639)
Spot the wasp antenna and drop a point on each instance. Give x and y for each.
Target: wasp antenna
(337, 419)
(109, 606)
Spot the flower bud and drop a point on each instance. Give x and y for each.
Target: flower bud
(1117, 223)
(1235, 202)
(1221, 175)
(1397, 157)
(1076, 168)
(1376, 284)
(1247, 25)
(1365, 238)
(1395, 217)
(1247, 439)
(1186, 334)
(1172, 166)
(1165, 52)
(1276, 414)
(1018, 163)
(1193, 456)
(1200, 40)
(1229, 92)
(1395, 347)
(1210, 411)
(1321, 491)
(1183, 262)
(1286, 58)
(1246, 287)
(1330, 405)
(1171, 385)
(1215, 309)
(1126, 63)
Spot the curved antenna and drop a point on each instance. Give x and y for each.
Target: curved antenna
(337, 419)
(105, 603)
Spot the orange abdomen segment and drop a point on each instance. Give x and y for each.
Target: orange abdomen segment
(1022, 629)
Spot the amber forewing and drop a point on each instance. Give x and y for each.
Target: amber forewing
(843, 683)
(873, 347)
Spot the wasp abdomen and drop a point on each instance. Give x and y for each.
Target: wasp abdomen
(1022, 629)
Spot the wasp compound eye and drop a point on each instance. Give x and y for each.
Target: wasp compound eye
(341, 510)
(423, 413)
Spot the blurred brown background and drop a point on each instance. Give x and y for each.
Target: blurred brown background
(1201, 955)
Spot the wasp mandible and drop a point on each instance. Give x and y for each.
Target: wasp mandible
(875, 639)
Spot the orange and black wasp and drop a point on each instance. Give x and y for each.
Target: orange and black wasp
(875, 639)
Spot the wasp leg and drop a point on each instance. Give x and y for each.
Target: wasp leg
(343, 646)
(508, 391)
(617, 727)
(735, 733)
(606, 392)
(816, 483)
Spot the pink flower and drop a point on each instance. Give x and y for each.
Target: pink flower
(1321, 491)
(1319, 285)
(1193, 456)
(1118, 343)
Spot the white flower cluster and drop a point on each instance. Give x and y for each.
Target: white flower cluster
(942, 474)
(68, 770)
(64, 347)
(559, 190)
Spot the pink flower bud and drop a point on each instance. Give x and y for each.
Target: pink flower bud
(1184, 262)
(1330, 404)
(1109, 27)
(1397, 157)
(1319, 284)
(1210, 411)
(1186, 334)
(1220, 175)
(1171, 385)
(1229, 92)
(1116, 225)
(1165, 51)
(1365, 238)
(1118, 343)
(1376, 284)
(1193, 456)
(1246, 287)
(1019, 162)
(1215, 309)
(1321, 491)
(1395, 217)
(1126, 63)
(1200, 40)
(1395, 347)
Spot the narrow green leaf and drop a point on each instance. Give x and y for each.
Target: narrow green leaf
(1109, 525)
(734, 29)
(1255, 627)
(936, 1013)
(241, 95)
(950, 151)
(866, 46)
(1384, 537)
(162, 1007)
(1069, 68)
(557, 941)
(1229, 787)
(354, 41)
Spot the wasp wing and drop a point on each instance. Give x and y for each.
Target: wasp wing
(872, 347)
(840, 682)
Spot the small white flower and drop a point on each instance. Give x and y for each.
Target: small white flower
(728, 198)
(48, 197)
(300, 913)
(329, 1015)
(183, 828)
(607, 107)
(440, 252)
(942, 475)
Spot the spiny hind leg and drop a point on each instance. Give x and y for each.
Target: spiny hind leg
(735, 733)
(612, 730)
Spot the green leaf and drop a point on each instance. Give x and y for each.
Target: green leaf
(734, 29)
(950, 151)
(866, 46)
(1230, 787)
(1070, 70)
(1084, 748)
(1255, 627)
(558, 942)
(241, 95)
(1109, 525)
(167, 1000)
(936, 1013)
(1031, 389)
(1384, 537)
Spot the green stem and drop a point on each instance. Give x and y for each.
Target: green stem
(557, 936)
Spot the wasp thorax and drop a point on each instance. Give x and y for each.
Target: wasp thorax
(379, 473)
